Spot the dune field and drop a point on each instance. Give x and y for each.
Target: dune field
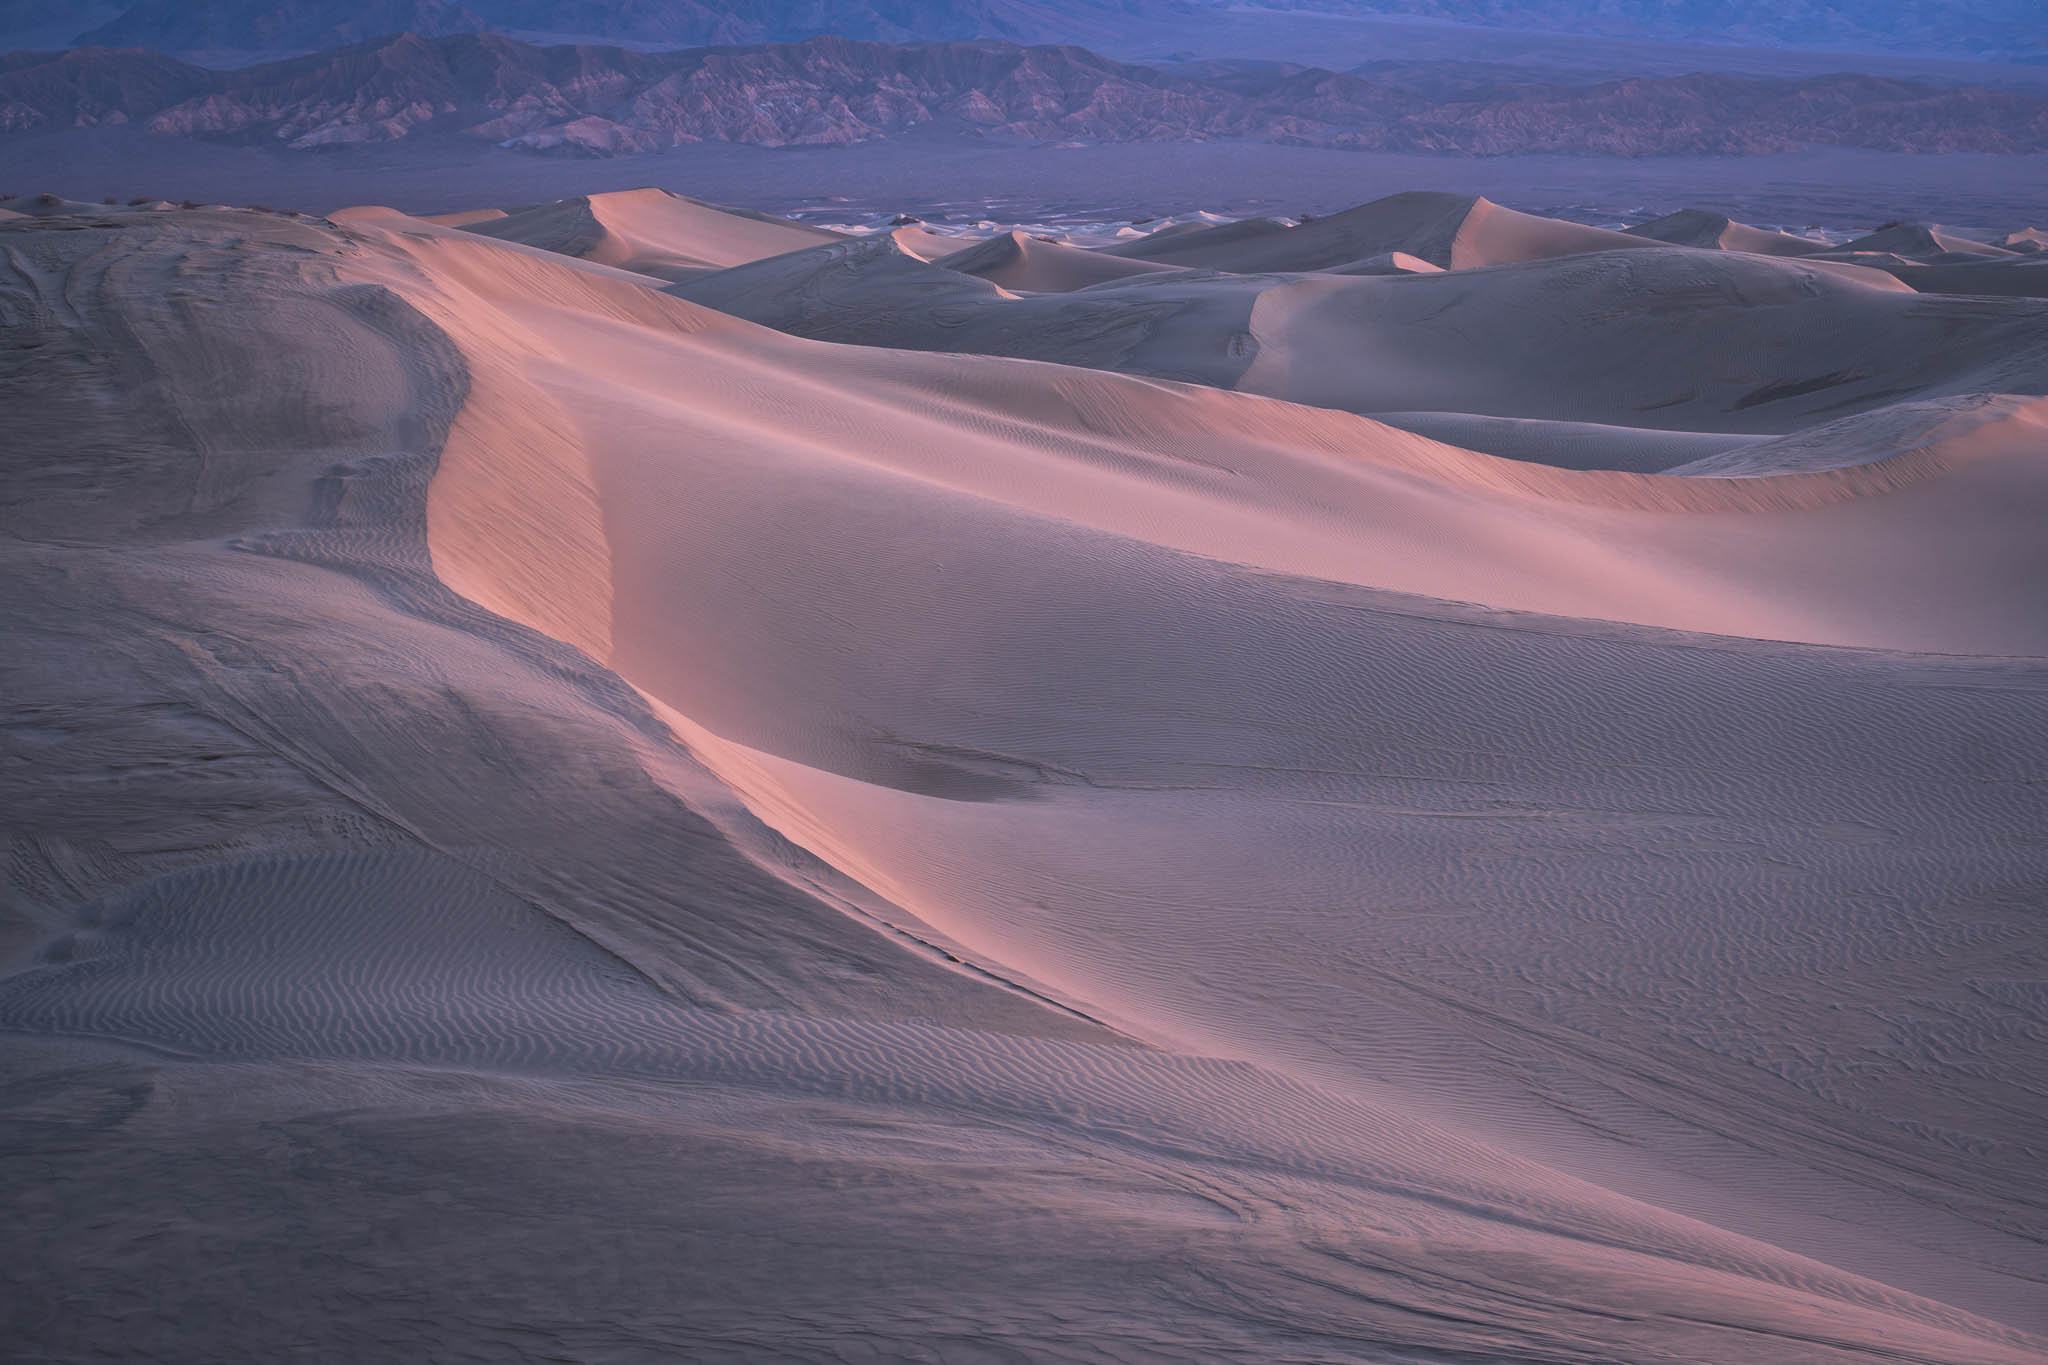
(626, 781)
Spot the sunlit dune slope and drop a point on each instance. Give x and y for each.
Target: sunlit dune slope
(650, 232)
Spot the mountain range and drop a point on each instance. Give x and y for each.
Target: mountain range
(245, 30)
(602, 101)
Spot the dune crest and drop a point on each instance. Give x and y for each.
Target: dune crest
(1450, 231)
(1017, 261)
(1780, 343)
(649, 232)
(1698, 227)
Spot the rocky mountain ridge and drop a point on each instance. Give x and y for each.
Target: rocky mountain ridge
(255, 29)
(603, 101)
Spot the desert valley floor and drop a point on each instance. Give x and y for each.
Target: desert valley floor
(622, 781)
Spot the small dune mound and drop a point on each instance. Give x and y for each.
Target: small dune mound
(1021, 262)
(1200, 244)
(1918, 241)
(864, 288)
(49, 206)
(923, 243)
(1717, 231)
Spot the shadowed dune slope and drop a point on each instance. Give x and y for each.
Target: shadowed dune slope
(2017, 276)
(863, 849)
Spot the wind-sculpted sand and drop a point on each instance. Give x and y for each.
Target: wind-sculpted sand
(649, 232)
(1669, 340)
(550, 821)
(1452, 231)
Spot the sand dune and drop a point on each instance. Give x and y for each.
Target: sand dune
(2019, 276)
(650, 232)
(46, 206)
(465, 218)
(854, 850)
(1697, 227)
(1020, 262)
(1915, 240)
(1387, 263)
(923, 243)
(1448, 230)
(1771, 344)
(1569, 445)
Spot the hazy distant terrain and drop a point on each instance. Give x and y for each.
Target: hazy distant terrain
(2001, 29)
(830, 91)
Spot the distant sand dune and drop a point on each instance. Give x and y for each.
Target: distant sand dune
(650, 232)
(1911, 239)
(1697, 227)
(1770, 344)
(1017, 261)
(1453, 231)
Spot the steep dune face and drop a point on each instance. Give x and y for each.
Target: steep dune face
(1159, 872)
